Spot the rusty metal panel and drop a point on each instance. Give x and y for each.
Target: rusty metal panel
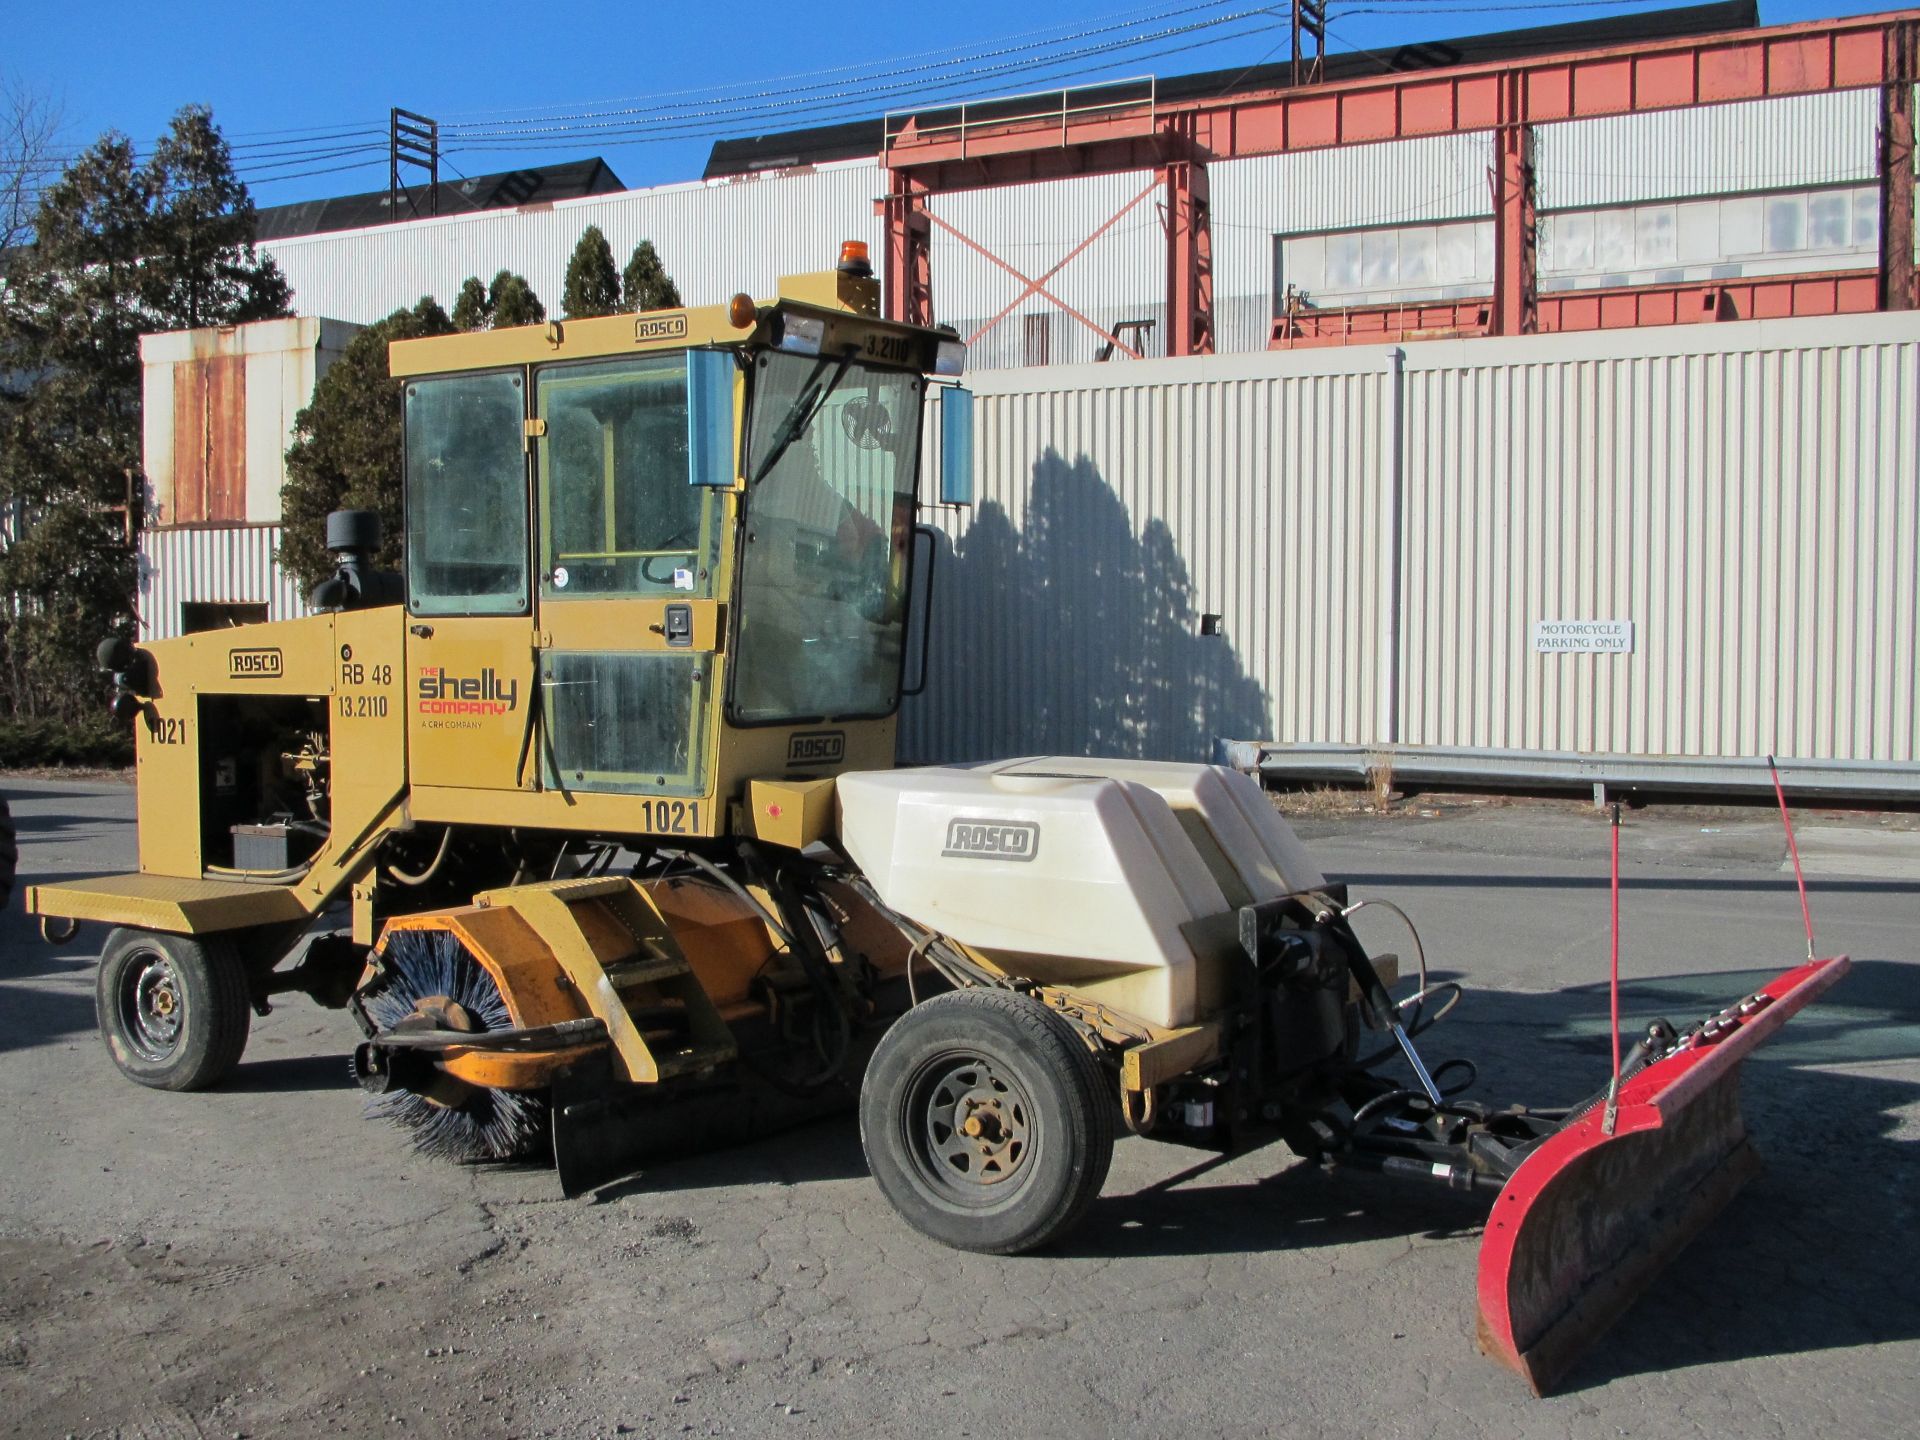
(209, 440)
(1119, 505)
(1792, 143)
(216, 565)
(1743, 496)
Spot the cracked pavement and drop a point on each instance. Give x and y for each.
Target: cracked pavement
(259, 1260)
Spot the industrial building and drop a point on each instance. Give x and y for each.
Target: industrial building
(1357, 549)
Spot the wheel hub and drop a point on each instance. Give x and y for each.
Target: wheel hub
(976, 1125)
(151, 1008)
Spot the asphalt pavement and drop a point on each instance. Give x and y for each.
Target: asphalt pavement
(261, 1260)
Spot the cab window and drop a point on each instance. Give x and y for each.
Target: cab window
(466, 476)
(619, 514)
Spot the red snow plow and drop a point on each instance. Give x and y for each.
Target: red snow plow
(1597, 1209)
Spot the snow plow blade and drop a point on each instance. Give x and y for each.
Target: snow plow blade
(1589, 1219)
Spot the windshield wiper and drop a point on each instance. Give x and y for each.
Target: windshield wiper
(799, 416)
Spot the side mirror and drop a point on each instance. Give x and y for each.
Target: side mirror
(710, 418)
(956, 446)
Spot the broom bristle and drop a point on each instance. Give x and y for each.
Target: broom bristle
(491, 1124)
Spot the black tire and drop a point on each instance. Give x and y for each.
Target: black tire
(1006, 1062)
(173, 1009)
(9, 852)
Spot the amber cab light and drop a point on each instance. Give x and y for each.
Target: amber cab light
(853, 258)
(741, 311)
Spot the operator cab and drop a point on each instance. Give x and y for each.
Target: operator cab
(656, 555)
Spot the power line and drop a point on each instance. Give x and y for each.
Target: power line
(863, 105)
(1130, 19)
(771, 103)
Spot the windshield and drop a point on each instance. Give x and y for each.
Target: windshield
(832, 453)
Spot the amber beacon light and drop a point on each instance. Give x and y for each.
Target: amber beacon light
(853, 258)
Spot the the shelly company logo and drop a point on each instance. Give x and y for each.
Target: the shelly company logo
(440, 693)
(992, 839)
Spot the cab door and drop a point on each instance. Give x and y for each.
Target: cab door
(470, 640)
(629, 566)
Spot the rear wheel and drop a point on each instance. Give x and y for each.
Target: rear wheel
(173, 1009)
(986, 1121)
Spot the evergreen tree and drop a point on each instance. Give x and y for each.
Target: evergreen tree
(347, 449)
(511, 301)
(508, 301)
(471, 310)
(201, 266)
(118, 249)
(645, 284)
(593, 285)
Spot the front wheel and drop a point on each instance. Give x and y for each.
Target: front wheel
(173, 1009)
(986, 1121)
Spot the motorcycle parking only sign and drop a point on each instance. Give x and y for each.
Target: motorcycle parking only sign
(1583, 637)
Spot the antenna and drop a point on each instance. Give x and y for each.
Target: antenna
(1806, 914)
(1310, 21)
(1613, 1088)
(412, 140)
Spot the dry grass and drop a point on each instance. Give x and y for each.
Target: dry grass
(1380, 777)
(1322, 800)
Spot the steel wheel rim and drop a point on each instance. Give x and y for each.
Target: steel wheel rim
(969, 1127)
(151, 1006)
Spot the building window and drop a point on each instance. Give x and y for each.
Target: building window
(1371, 267)
(1714, 239)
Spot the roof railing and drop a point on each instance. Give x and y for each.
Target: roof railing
(934, 124)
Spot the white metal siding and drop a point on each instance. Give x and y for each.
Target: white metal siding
(1399, 182)
(226, 565)
(1120, 276)
(715, 240)
(1117, 504)
(1748, 495)
(1802, 140)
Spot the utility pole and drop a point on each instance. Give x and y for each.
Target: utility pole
(413, 140)
(1309, 23)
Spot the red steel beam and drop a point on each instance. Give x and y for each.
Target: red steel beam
(1765, 297)
(1666, 74)
(1514, 229)
(909, 258)
(1189, 261)
(1898, 287)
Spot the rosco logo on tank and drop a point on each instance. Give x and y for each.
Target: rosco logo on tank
(254, 665)
(442, 693)
(817, 747)
(992, 839)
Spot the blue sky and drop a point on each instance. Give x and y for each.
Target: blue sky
(294, 86)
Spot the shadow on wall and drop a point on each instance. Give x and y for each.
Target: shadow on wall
(1075, 637)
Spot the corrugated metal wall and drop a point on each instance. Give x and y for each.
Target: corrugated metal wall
(1747, 495)
(1802, 140)
(715, 240)
(1400, 182)
(1120, 276)
(1118, 504)
(225, 565)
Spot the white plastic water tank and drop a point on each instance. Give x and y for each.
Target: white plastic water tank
(1073, 871)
